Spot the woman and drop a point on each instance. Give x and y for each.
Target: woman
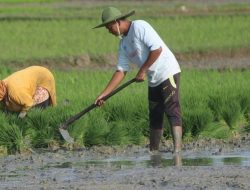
(27, 88)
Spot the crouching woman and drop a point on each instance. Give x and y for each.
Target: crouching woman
(31, 87)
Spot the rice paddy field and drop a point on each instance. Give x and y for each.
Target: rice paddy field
(211, 41)
(59, 35)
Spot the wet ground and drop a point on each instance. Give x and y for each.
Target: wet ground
(203, 164)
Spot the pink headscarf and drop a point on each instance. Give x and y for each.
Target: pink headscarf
(2, 90)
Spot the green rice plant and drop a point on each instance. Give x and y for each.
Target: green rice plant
(28, 1)
(247, 127)
(231, 113)
(216, 130)
(215, 103)
(136, 130)
(244, 100)
(117, 134)
(97, 131)
(41, 132)
(34, 39)
(195, 120)
(78, 131)
(124, 117)
(11, 137)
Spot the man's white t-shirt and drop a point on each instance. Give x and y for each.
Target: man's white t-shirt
(135, 48)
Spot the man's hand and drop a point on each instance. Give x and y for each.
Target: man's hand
(99, 100)
(22, 114)
(141, 75)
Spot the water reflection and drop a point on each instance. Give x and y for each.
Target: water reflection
(160, 160)
(157, 160)
(178, 159)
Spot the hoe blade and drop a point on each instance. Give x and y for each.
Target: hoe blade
(66, 136)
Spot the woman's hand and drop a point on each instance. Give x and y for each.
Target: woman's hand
(22, 114)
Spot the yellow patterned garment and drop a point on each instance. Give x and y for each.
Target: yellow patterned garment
(21, 87)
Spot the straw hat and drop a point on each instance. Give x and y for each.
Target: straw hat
(110, 14)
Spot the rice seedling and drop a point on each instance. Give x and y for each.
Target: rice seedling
(194, 121)
(124, 118)
(28, 1)
(244, 100)
(35, 40)
(216, 103)
(247, 127)
(218, 130)
(118, 134)
(231, 113)
(135, 134)
(97, 130)
(41, 132)
(11, 137)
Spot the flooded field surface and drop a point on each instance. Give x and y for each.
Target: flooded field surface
(225, 166)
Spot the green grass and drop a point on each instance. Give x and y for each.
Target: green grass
(28, 1)
(40, 32)
(33, 40)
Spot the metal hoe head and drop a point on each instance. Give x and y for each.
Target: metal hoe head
(66, 136)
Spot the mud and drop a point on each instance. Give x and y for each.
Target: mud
(203, 164)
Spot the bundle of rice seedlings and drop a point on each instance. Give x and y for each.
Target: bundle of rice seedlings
(97, 130)
(216, 130)
(78, 130)
(41, 132)
(231, 113)
(215, 103)
(117, 134)
(244, 100)
(57, 116)
(136, 132)
(11, 137)
(195, 120)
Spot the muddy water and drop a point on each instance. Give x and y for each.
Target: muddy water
(221, 167)
(165, 160)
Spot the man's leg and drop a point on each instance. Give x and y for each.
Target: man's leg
(173, 110)
(177, 138)
(156, 115)
(155, 138)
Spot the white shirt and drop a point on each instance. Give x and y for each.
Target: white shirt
(135, 48)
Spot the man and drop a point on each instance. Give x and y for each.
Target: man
(31, 87)
(140, 44)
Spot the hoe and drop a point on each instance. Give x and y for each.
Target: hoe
(63, 127)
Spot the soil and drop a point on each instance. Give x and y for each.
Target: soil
(130, 167)
(219, 60)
